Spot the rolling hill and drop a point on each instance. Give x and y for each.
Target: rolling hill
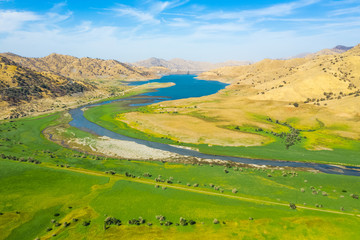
(323, 78)
(18, 84)
(84, 68)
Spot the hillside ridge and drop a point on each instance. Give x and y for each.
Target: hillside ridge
(84, 68)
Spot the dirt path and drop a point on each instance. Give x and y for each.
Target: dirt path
(200, 191)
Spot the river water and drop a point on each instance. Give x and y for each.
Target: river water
(187, 86)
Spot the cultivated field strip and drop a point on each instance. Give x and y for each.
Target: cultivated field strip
(177, 187)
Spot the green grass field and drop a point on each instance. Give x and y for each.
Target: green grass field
(105, 116)
(31, 195)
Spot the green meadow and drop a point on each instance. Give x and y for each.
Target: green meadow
(68, 195)
(105, 116)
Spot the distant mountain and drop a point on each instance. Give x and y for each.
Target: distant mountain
(18, 84)
(181, 65)
(83, 68)
(342, 48)
(336, 50)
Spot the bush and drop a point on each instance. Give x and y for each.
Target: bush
(354, 196)
(138, 221)
(160, 218)
(86, 223)
(168, 223)
(292, 206)
(111, 221)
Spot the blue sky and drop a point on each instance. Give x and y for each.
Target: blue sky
(192, 29)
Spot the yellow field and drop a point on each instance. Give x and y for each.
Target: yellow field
(190, 130)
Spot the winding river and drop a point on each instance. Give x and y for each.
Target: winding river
(187, 86)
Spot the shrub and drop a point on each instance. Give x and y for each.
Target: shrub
(183, 221)
(86, 223)
(160, 218)
(292, 206)
(168, 223)
(111, 221)
(354, 196)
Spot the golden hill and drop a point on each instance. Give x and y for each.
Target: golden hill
(316, 80)
(318, 95)
(84, 68)
(18, 84)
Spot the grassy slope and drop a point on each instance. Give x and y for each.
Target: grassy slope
(94, 197)
(39, 191)
(105, 116)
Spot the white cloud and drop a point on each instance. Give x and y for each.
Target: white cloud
(273, 31)
(346, 11)
(139, 15)
(226, 27)
(11, 20)
(274, 10)
(150, 13)
(179, 22)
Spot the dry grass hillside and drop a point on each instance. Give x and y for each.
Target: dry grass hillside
(319, 96)
(85, 68)
(18, 84)
(317, 80)
(31, 86)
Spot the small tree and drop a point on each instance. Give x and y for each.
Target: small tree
(292, 206)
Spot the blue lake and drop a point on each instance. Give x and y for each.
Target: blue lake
(186, 86)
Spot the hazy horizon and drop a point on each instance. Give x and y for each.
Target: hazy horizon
(198, 30)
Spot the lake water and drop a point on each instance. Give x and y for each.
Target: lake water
(187, 86)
